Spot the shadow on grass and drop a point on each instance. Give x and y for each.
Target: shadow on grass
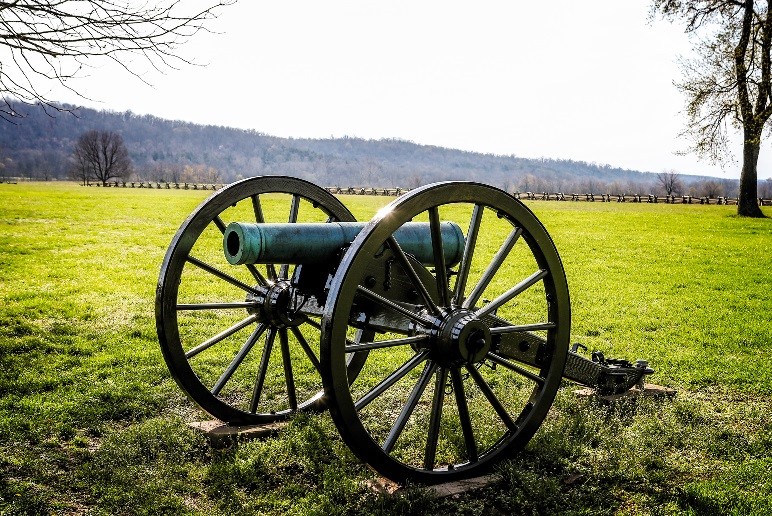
(696, 454)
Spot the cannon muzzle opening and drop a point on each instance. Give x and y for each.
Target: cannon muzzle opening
(303, 243)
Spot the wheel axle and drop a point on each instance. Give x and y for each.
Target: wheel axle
(460, 337)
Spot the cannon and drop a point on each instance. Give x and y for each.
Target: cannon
(437, 334)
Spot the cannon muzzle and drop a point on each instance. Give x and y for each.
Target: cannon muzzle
(250, 243)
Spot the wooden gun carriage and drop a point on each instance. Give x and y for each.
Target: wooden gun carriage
(436, 334)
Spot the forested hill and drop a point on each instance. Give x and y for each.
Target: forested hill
(39, 146)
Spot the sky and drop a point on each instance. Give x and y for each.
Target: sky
(590, 81)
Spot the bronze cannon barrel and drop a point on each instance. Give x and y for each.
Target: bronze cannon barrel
(250, 243)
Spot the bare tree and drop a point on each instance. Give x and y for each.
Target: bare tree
(729, 82)
(670, 181)
(506, 185)
(43, 41)
(100, 155)
(527, 183)
(414, 181)
(532, 183)
(79, 171)
(200, 174)
(710, 188)
(731, 187)
(591, 185)
(765, 189)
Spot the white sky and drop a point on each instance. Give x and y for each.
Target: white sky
(589, 81)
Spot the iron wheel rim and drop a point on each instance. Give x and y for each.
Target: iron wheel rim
(177, 258)
(359, 435)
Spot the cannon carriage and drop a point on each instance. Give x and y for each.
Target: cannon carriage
(437, 334)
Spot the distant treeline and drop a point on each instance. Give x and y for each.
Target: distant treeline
(39, 146)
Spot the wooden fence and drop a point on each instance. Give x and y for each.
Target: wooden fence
(666, 199)
(530, 196)
(159, 185)
(358, 190)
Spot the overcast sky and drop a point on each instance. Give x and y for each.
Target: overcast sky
(589, 81)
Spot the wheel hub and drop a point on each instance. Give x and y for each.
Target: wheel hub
(460, 337)
(275, 306)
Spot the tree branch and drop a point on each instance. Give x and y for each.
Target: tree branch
(53, 40)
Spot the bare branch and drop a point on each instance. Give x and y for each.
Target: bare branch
(100, 155)
(670, 181)
(729, 82)
(44, 42)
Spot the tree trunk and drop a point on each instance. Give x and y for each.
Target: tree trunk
(747, 202)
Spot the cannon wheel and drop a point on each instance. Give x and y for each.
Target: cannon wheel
(235, 364)
(443, 401)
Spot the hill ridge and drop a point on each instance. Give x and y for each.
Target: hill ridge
(39, 145)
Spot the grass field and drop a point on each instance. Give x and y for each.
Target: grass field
(91, 422)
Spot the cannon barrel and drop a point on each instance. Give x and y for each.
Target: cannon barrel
(250, 243)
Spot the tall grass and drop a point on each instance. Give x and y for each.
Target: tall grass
(90, 421)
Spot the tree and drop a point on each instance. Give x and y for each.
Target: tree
(100, 155)
(728, 82)
(670, 181)
(43, 41)
(709, 188)
(765, 189)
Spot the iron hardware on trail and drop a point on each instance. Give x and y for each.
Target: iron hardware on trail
(437, 334)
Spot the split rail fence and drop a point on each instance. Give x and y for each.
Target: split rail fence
(531, 196)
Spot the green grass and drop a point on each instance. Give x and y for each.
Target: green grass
(90, 421)
(685, 286)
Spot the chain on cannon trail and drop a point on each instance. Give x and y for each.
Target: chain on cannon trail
(437, 334)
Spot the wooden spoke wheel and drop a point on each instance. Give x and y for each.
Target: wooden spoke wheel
(465, 364)
(242, 341)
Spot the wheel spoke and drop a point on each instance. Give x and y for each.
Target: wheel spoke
(503, 330)
(219, 223)
(356, 341)
(262, 370)
(492, 399)
(365, 346)
(221, 336)
(391, 379)
(257, 207)
(314, 323)
(493, 357)
(463, 414)
(287, 361)
(440, 269)
(309, 352)
(293, 218)
(466, 261)
(236, 362)
(394, 306)
(512, 293)
(217, 306)
(435, 419)
(294, 207)
(225, 277)
(493, 268)
(407, 410)
(256, 274)
(414, 279)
